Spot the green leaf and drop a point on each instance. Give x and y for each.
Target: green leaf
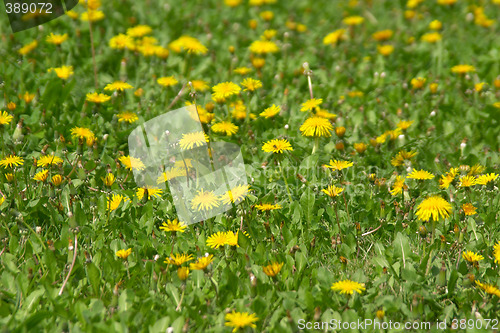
(94, 276)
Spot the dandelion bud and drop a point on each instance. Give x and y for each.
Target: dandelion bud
(340, 131)
(339, 146)
(252, 24)
(380, 314)
(422, 230)
(433, 87)
(183, 273)
(231, 49)
(11, 106)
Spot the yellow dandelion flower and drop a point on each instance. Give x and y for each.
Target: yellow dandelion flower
(127, 116)
(251, 84)
(225, 89)
(399, 185)
(109, 179)
(132, 163)
(236, 195)
(167, 81)
(225, 127)
(240, 320)
(496, 252)
(405, 124)
(28, 48)
(139, 30)
(382, 35)
(56, 39)
(174, 226)
(469, 209)
(472, 256)
(151, 191)
(485, 179)
(431, 37)
(277, 146)
(489, 288)
(92, 15)
(97, 98)
(348, 287)
(242, 70)
(316, 127)
(385, 50)
(202, 263)
(41, 176)
(360, 147)
(334, 37)
(267, 207)
(204, 200)
(178, 259)
(418, 82)
(332, 191)
(338, 165)
(270, 112)
(5, 118)
(114, 201)
(121, 41)
(435, 207)
(217, 240)
(63, 72)
(263, 47)
(200, 85)
(311, 104)
(420, 175)
(118, 85)
(463, 69)
(124, 253)
(353, 20)
(11, 161)
(467, 181)
(57, 180)
(272, 269)
(194, 139)
(48, 160)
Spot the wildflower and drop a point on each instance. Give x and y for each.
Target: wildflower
(124, 253)
(340, 131)
(469, 209)
(463, 69)
(232, 3)
(348, 287)
(63, 72)
(48, 160)
(385, 50)
(114, 201)
(11, 161)
(471, 256)
(92, 15)
(325, 114)
(204, 200)
(267, 15)
(476, 169)
(382, 35)
(167, 81)
(132, 163)
(225, 89)
(27, 97)
(28, 48)
(189, 44)
(489, 288)
(139, 30)
(355, 93)
(269, 34)
(174, 226)
(334, 37)
(217, 240)
(360, 147)
(200, 85)
(72, 14)
(270, 112)
(97, 98)
(485, 179)
(404, 124)
(399, 186)
(251, 84)
(496, 252)
(225, 127)
(178, 259)
(435, 207)
(445, 181)
(2, 199)
(151, 191)
(263, 47)
(202, 263)
(109, 179)
(138, 92)
(338, 165)
(353, 20)
(420, 175)
(56, 39)
(121, 41)
(127, 116)
(272, 269)
(235, 195)
(277, 146)
(171, 174)
(258, 62)
(316, 127)
(5, 118)
(183, 273)
(242, 70)
(9, 177)
(311, 104)
(41, 176)
(240, 320)
(435, 25)
(118, 85)
(194, 139)
(332, 191)
(418, 82)
(267, 207)
(431, 37)
(57, 180)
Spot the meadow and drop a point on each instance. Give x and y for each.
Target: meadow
(370, 133)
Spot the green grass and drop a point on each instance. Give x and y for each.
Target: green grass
(409, 274)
